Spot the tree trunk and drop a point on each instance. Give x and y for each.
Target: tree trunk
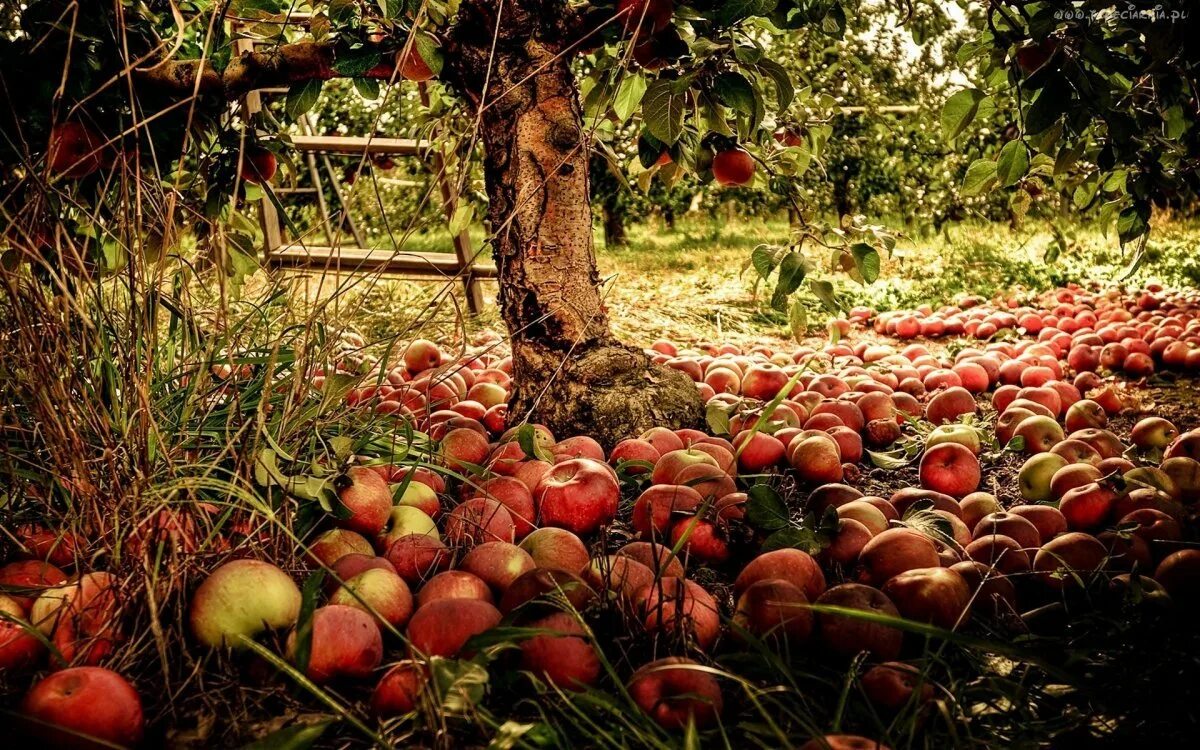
(570, 374)
(614, 225)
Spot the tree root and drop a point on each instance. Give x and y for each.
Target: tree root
(609, 392)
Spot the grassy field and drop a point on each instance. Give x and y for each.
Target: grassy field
(691, 282)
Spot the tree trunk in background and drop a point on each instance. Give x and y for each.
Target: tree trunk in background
(614, 225)
(569, 372)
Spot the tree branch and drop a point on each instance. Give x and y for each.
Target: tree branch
(280, 66)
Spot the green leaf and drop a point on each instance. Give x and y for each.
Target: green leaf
(763, 260)
(733, 11)
(1013, 163)
(785, 90)
(355, 62)
(296, 737)
(824, 292)
(429, 50)
(1133, 222)
(798, 321)
(461, 218)
(1176, 122)
(792, 270)
(662, 109)
(980, 176)
(717, 416)
(302, 97)
(367, 88)
(735, 91)
(866, 260)
(959, 111)
(341, 11)
(890, 459)
(765, 509)
(1050, 105)
(793, 537)
(302, 648)
(629, 96)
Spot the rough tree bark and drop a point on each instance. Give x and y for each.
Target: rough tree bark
(570, 373)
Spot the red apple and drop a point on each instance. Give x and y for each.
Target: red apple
(950, 468)
(368, 499)
(83, 707)
(935, 595)
(676, 692)
(442, 627)
(847, 635)
(565, 657)
(579, 495)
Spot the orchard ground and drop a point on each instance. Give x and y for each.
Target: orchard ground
(1095, 667)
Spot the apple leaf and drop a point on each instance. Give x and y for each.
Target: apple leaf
(765, 509)
(980, 176)
(302, 97)
(629, 96)
(717, 417)
(295, 737)
(866, 260)
(1013, 163)
(959, 111)
(662, 109)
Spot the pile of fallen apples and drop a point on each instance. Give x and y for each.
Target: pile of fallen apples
(514, 525)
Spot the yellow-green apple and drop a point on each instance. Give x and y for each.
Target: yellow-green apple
(1040, 433)
(792, 565)
(442, 627)
(563, 657)
(82, 707)
(894, 552)
(935, 595)
(368, 499)
(422, 497)
(380, 592)
(556, 548)
(579, 495)
(1068, 559)
(962, 434)
(677, 692)
(847, 635)
(950, 468)
(405, 520)
(1033, 480)
(241, 599)
(865, 513)
(346, 644)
